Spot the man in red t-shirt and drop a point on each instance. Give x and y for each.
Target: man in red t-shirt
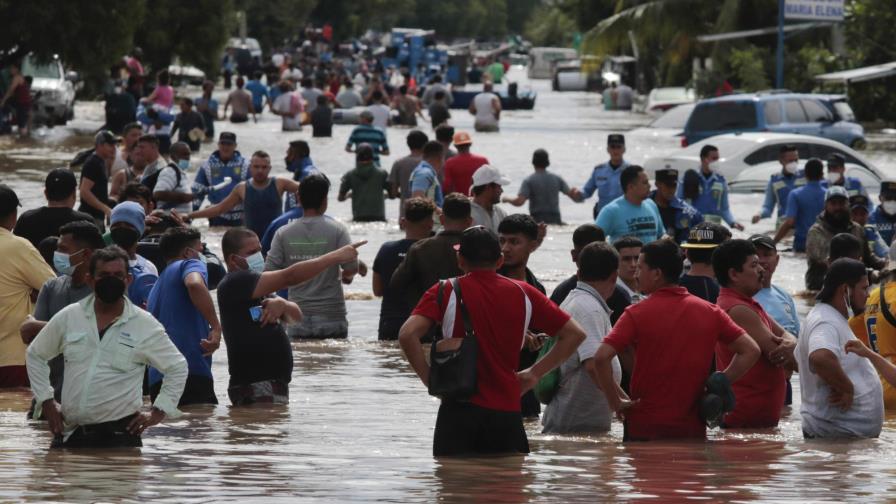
(459, 169)
(500, 311)
(759, 395)
(674, 335)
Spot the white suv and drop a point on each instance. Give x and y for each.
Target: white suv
(53, 91)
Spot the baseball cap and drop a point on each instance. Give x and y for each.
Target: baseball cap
(540, 158)
(858, 201)
(8, 200)
(615, 139)
(888, 188)
(461, 138)
(667, 176)
(836, 192)
(60, 183)
(705, 235)
(226, 137)
(836, 159)
(841, 271)
(761, 240)
(480, 245)
(105, 137)
(130, 212)
(488, 174)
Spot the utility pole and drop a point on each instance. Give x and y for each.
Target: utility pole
(779, 63)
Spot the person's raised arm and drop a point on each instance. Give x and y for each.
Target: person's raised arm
(768, 204)
(287, 185)
(233, 199)
(518, 201)
(884, 367)
(415, 328)
(784, 229)
(202, 300)
(826, 365)
(569, 337)
(746, 353)
(273, 281)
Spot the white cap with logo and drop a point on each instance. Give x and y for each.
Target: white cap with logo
(488, 174)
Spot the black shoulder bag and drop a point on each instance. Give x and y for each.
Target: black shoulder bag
(452, 371)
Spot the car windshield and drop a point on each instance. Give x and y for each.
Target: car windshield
(41, 71)
(675, 118)
(672, 94)
(723, 115)
(844, 111)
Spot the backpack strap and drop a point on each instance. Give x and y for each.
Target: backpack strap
(885, 306)
(465, 315)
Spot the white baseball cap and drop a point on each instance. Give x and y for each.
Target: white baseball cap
(488, 174)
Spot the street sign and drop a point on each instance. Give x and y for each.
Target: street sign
(818, 10)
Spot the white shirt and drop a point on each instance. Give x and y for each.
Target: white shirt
(481, 217)
(484, 113)
(285, 104)
(380, 115)
(167, 181)
(103, 378)
(827, 328)
(120, 162)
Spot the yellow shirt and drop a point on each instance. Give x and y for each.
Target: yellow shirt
(882, 335)
(22, 269)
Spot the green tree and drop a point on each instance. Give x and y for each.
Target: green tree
(550, 26)
(194, 32)
(274, 22)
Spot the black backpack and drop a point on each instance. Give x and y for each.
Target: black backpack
(153, 179)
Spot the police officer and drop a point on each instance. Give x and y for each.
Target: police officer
(884, 216)
(678, 216)
(712, 200)
(605, 177)
(780, 184)
(837, 176)
(858, 209)
(804, 204)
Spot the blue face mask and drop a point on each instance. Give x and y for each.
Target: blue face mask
(63, 262)
(255, 262)
(183, 164)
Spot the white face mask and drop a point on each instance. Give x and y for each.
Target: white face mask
(833, 177)
(889, 207)
(791, 167)
(713, 166)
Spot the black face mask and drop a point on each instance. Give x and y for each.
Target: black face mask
(109, 289)
(125, 237)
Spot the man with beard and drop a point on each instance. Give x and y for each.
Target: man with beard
(834, 220)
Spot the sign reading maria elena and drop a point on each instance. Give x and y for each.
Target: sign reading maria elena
(818, 10)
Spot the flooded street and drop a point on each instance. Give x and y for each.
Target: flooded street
(359, 424)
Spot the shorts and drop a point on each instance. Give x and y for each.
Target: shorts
(198, 390)
(389, 327)
(485, 127)
(112, 434)
(268, 391)
(467, 429)
(320, 327)
(239, 119)
(14, 376)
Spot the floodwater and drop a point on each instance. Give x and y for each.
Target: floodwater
(359, 423)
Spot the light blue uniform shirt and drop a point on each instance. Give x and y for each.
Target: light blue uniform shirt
(777, 190)
(622, 218)
(712, 201)
(605, 180)
(779, 306)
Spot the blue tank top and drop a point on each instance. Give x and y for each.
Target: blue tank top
(262, 206)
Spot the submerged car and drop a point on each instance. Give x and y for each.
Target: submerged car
(659, 100)
(53, 90)
(660, 136)
(749, 159)
(826, 116)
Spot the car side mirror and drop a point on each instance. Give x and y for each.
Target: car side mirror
(72, 76)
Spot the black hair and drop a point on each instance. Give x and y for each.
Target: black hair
(136, 190)
(706, 149)
(445, 133)
(175, 240)
(417, 139)
(814, 169)
(301, 146)
(377, 95)
(587, 233)
(152, 139)
(664, 255)
(690, 185)
(844, 245)
(456, 207)
(439, 95)
(131, 126)
(418, 209)
(187, 101)
(85, 233)
(163, 77)
(787, 148)
(313, 190)
(848, 271)
(522, 224)
(322, 100)
(363, 153)
(627, 242)
(597, 262)
(106, 255)
(232, 241)
(731, 254)
(403, 89)
(257, 75)
(432, 149)
(261, 154)
(629, 175)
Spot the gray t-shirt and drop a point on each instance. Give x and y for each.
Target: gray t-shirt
(481, 217)
(349, 99)
(400, 175)
(543, 189)
(304, 239)
(168, 182)
(579, 406)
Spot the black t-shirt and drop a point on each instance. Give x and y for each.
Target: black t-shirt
(703, 287)
(94, 169)
(39, 223)
(254, 352)
(390, 255)
(322, 122)
(438, 113)
(617, 302)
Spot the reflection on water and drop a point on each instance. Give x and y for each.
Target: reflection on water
(359, 425)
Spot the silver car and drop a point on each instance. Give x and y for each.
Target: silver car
(53, 91)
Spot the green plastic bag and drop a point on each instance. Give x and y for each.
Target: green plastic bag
(547, 386)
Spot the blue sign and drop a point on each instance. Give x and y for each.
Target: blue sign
(815, 10)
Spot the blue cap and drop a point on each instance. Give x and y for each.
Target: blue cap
(130, 212)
